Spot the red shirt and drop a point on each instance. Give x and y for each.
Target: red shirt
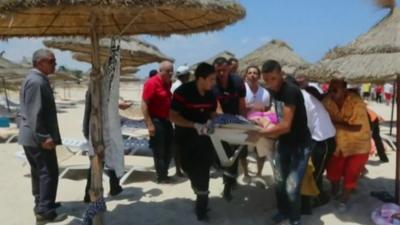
(158, 96)
(379, 89)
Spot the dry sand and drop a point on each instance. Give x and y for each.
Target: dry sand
(143, 202)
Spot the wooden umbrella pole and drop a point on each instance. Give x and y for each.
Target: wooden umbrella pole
(5, 93)
(397, 186)
(395, 87)
(96, 124)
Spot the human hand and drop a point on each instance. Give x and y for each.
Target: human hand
(253, 136)
(48, 144)
(125, 104)
(201, 129)
(152, 129)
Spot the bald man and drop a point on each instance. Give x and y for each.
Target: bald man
(156, 104)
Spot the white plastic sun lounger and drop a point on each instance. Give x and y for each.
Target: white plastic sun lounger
(236, 134)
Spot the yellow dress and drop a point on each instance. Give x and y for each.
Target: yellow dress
(309, 186)
(353, 112)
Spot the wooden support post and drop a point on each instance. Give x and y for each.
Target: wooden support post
(395, 87)
(6, 95)
(397, 186)
(96, 124)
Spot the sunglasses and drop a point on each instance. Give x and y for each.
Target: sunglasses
(51, 61)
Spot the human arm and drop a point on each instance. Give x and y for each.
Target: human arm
(346, 126)
(242, 106)
(148, 93)
(147, 119)
(35, 114)
(179, 120)
(124, 104)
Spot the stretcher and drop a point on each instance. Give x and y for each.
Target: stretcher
(235, 134)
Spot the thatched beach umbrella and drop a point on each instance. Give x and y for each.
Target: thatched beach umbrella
(276, 50)
(382, 38)
(134, 52)
(356, 68)
(225, 54)
(6, 63)
(129, 70)
(372, 57)
(98, 19)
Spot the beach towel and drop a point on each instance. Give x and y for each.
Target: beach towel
(388, 214)
(270, 117)
(112, 136)
(93, 209)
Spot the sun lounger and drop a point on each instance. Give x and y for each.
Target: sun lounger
(236, 134)
(390, 140)
(8, 134)
(75, 145)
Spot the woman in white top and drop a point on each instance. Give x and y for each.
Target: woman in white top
(258, 99)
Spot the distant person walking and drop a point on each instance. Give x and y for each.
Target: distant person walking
(378, 93)
(388, 90)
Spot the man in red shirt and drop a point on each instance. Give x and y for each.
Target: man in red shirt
(156, 104)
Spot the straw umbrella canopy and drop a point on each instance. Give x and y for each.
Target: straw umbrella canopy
(107, 18)
(276, 50)
(129, 70)
(372, 57)
(224, 54)
(134, 52)
(65, 18)
(381, 38)
(356, 68)
(6, 63)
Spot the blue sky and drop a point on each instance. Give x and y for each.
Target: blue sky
(311, 27)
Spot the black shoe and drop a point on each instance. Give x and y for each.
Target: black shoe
(227, 192)
(54, 206)
(166, 180)
(201, 209)
(51, 217)
(57, 205)
(384, 159)
(115, 191)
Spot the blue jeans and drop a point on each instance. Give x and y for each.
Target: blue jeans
(290, 167)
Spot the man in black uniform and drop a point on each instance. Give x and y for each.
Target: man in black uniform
(193, 104)
(230, 92)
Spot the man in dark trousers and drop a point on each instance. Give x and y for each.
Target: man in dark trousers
(39, 135)
(230, 92)
(293, 150)
(193, 105)
(156, 104)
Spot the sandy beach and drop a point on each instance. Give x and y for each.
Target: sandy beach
(143, 202)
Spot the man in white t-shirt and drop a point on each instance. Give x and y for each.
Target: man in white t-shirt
(388, 91)
(182, 76)
(257, 99)
(323, 134)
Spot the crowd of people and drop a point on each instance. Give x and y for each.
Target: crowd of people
(326, 127)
